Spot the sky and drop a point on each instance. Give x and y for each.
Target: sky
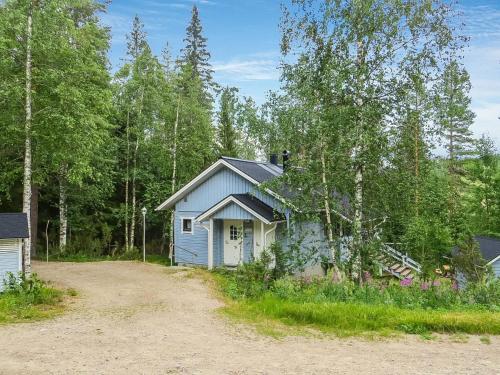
(243, 39)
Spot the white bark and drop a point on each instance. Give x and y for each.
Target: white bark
(27, 150)
(328, 213)
(63, 212)
(127, 177)
(134, 177)
(174, 179)
(134, 199)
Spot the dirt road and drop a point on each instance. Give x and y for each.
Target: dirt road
(133, 318)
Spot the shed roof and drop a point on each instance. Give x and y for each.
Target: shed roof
(489, 247)
(13, 225)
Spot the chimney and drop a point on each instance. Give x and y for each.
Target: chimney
(273, 159)
(286, 156)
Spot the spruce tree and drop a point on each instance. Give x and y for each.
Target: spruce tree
(227, 134)
(454, 116)
(195, 52)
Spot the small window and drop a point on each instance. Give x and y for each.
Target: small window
(187, 225)
(233, 232)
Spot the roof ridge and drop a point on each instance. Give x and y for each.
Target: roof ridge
(245, 160)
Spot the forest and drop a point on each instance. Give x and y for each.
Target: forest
(374, 107)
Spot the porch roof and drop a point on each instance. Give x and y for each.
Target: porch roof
(247, 202)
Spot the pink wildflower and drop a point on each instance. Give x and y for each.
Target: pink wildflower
(424, 286)
(406, 282)
(436, 283)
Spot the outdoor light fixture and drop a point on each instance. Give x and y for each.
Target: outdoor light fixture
(144, 211)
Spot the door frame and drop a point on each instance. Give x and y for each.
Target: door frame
(226, 232)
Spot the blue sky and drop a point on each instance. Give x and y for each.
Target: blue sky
(243, 38)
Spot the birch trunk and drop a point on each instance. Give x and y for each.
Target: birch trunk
(63, 212)
(27, 150)
(127, 177)
(134, 199)
(134, 177)
(174, 180)
(328, 213)
(358, 177)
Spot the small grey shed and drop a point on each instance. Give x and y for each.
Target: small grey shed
(13, 229)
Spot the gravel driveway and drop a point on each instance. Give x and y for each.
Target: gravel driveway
(134, 318)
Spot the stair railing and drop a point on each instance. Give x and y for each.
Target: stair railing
(403, 258)
(193, 254)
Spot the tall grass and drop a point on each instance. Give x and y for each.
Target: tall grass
(26, 299)
(355, 318)
(379, 307)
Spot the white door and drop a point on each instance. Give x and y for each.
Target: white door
(233, 242)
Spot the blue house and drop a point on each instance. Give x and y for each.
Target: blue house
(225, 216)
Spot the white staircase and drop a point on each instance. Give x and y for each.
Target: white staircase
(397, 264)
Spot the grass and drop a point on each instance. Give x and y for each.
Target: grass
(17, 308)
(81, 258)
(352, 319)
(276, 316)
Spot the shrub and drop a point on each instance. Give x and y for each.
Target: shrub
(31, 290)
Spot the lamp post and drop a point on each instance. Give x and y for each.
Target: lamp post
(144, 210)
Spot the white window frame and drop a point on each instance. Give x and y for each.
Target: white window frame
(182, 224)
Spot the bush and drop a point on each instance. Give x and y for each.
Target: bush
(31, 288)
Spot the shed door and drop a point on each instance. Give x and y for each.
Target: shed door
(10, 258)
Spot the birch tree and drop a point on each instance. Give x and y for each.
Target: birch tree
(362, 49)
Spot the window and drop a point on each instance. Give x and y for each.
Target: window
(233, 232)
(187, 225)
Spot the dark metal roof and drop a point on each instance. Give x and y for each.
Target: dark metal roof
(13, 225)
(259, 171)
(258, 206)
(489, 247)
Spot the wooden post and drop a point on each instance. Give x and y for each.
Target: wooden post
(210, 244)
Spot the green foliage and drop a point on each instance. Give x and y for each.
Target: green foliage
(25, 299)
(348, 319)
(469, 261)
(346, 308)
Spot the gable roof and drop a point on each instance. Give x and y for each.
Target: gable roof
(13, 225)
(249, 203)
(489, 247)
(255, 172)
(260, 171)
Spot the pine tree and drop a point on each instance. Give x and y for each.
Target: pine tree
(195, 52)
(227, 134)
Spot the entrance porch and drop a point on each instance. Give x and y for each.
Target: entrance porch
(239, 228)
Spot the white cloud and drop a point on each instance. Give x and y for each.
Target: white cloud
(481, 21)
(251, 69)
(483, 64)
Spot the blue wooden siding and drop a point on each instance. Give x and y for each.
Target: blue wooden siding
(219, 186)
(247, 241)
(233, 211)
(496, 268)
(309, 236)
(185, 243)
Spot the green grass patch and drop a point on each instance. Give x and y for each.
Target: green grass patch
(16, 308)
(348, 319)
